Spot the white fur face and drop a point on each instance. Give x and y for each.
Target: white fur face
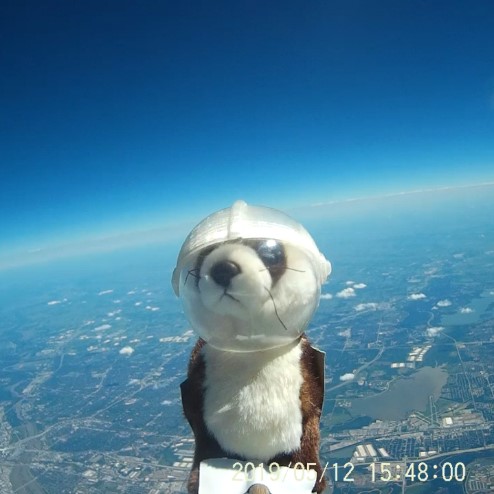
(250, 294)
(246, 292)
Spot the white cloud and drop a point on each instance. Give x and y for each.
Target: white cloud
(367, 306)
(126, 350)
(54, 302)
(104, 292)
(434, 331)
(347, 377)
(466, 310)
(346, 293)
(326, 296)
(444, 303)
(103, 327)
(416, 296)
(360, 285)
(114, 313)
(350, 283)
(430, 271)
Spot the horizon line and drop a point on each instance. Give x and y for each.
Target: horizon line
(156, 235)
(402, 193)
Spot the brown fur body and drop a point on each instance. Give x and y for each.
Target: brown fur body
(311, 401)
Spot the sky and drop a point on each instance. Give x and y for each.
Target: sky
(121, 116)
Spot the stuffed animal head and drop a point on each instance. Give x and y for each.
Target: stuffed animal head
(249, 278)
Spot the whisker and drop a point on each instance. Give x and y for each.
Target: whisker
(285, 267)
(192, 272)
(275, 309)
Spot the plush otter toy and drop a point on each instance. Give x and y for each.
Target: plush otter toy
(249, 278)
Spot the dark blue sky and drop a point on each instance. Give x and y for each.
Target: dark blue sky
(119, 115)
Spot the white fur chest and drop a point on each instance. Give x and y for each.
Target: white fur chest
(252, 400)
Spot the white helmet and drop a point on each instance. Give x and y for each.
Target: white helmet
(249, 278)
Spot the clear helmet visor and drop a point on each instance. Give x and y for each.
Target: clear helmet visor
(249, 278)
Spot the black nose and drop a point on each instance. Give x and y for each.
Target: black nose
(223, 272)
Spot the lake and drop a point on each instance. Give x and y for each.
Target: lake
(403, 396)
(472, 313)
